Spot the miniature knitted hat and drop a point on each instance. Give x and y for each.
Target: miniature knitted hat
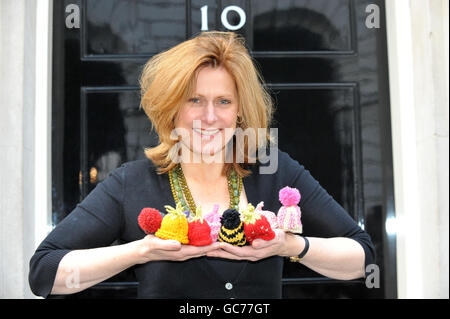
(174, 225)
(289, 215)
(199, 231)
(256, 225)
(150, 220)
(232, 229)
(271, 217)
(213, 219)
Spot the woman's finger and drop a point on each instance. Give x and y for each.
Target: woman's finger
(248, 252)
(169, 244)
(244, 251)
(190, 250)
(226, 255)
(261, 243)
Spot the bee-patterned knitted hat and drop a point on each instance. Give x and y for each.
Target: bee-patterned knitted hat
(232, 229)
(174, 225)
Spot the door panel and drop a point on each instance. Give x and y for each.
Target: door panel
(120, 27)
(302, 26)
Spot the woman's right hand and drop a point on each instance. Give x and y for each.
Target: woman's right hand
(152, 248)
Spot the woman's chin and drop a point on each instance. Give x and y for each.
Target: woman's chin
(208, 151)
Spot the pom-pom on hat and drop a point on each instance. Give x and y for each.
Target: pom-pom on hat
(256, 225)
(232, 229)
(213, 219)
(199, 231)
(289, 215)
(149, 220)
(271, 217)
(289, 196)
(174, 225)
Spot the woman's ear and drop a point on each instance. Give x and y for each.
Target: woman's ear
(239, 119)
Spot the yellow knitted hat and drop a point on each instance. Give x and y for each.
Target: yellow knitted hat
(174, 225)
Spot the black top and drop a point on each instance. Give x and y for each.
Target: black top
(110, 212)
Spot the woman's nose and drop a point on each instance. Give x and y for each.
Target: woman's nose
(210, 113)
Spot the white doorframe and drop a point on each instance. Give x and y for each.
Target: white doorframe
(25, 127)
(43, 122)
(417, 34)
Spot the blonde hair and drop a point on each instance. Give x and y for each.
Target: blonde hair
(168, 80)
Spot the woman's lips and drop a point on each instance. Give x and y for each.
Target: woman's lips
(207, 133)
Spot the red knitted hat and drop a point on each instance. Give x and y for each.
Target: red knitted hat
(149, 220)
(199, 232)
(256, 225)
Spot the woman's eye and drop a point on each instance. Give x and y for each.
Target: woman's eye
(196, 100)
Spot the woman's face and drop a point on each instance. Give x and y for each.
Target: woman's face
(209, 116)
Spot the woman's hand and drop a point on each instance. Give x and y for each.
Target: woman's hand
(152, 248)
(284, 244)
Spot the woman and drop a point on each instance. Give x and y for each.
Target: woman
(197, 95)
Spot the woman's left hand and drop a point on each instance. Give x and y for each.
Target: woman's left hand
(284, 244)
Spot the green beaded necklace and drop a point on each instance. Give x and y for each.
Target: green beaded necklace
(179, 188)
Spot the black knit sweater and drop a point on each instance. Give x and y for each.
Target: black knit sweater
(110, 212)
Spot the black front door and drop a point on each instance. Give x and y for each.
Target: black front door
(324, 62)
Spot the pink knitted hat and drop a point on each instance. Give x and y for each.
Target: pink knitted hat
(289, 215)
(213, 219)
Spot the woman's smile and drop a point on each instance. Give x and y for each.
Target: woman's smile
(210, 133)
